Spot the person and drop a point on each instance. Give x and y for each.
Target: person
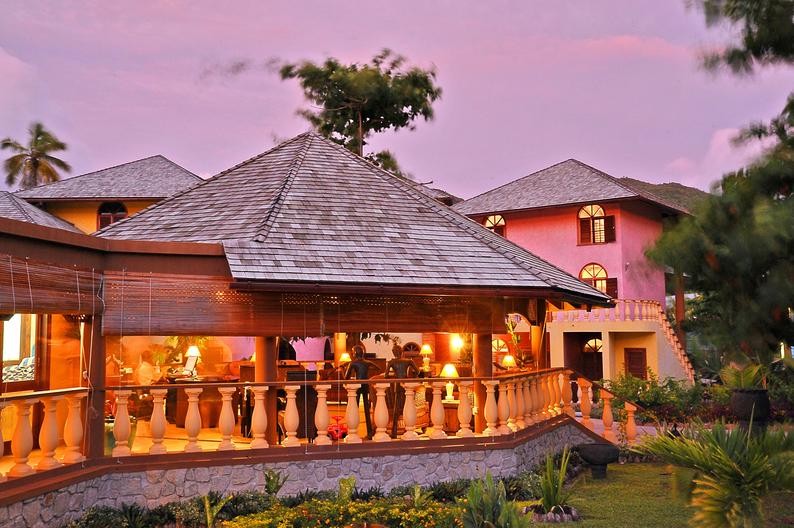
(399, 368)
(359, 368)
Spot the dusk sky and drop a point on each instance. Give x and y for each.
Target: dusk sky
(526, 84)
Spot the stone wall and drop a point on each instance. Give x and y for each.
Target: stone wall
(152, 488)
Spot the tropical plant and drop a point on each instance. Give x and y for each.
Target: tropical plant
(735, 471)
(213, 503)
(347, 486)
(274, 481)
(34, 164)
(552, 483)
(750, 376)
(487, 507)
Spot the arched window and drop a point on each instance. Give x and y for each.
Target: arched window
(110, 212)
(593, 346)
(596, 276)
(498, 346)
(594, 226)
(411, 349)
(496, 223)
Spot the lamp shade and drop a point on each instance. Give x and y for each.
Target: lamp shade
(509, 361)
(345, 358)
(449, 371)
(426, 350)
(193, 351)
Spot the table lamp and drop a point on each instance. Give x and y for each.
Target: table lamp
(193, 355)
(345, 358)
(449, 371)
(509, 361)
(426, 352)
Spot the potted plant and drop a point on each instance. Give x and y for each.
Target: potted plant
(749, 397)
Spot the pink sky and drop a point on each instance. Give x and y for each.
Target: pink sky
(526, 84)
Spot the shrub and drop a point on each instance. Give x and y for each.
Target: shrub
(246, 503)
(307, 495)
(522, 487)
(99, 517)
(449, 491)
(552, 483)
(375, 492)
(487, 507)
(274, 481)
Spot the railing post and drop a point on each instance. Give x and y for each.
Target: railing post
(631, 425)
(22, 441)
(511, 403)
(551, 409)
(121, 425)
(291, 417)
(491, 409)
(537, 403)
(48, 436)
(381, 417)
(464, 410)
(321, 416)
(567, 394)
(226, 419)
(409, 411)
(527, 395)
(437, 411)
(584, 401)
(503, 409)
(606, 398)
(2, 444)
(157, 423)
(520, 423)
(556, 393)
(73, 430)
(351, 414)
(259, 419)
(192, 420)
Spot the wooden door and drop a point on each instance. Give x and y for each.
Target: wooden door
(636, 362)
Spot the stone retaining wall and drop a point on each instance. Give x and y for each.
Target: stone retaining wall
(152, 488)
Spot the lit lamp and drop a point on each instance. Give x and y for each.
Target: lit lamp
(509, 361)
(345, 358)
(426, 352)
(193, 355)
(456, 343)
(449, 371)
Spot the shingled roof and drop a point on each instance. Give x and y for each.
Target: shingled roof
(18, 209)
(155, 177)
(311, 211)
(568, 182)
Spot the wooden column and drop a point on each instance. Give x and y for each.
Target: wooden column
(94, 428)
(266, 369)
(482, 366)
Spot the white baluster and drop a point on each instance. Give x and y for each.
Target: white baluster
(226, 421)
(73, 430)
(511, 404)
(121, 425)
(567, 394)
(437, 411)
(537, 404)
(606, 417)
(543, 390)
(503, 409)
(491, 411)
(381, 416)
(584, 401)
(291, 417)
(555, 385)
(519, 392)
(464, 410)
(192, 420)
(409, 411)
(351, 414)
(22, 441)
(631, 425)
(321, 416)
(259, 419)
(48, 436)
(528, 410)
(158, 423)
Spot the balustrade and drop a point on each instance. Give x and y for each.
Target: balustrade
(607, 418)
(585, 404)
(519, 399)
(503, 410)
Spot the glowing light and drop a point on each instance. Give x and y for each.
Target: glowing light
(456, 342)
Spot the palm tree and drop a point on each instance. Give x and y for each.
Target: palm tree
(33, 162)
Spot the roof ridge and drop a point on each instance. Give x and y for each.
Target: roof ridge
(18, 206)
(518, 179)
(275, 208)
(464, 222)
(203, 182)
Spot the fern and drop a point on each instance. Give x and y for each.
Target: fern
(552, 483)
(487, 507)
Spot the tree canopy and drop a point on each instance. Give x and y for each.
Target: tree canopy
(356, 100)
(33, 164)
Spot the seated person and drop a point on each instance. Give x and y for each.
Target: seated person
(144, 373)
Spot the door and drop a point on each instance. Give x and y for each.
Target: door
(636, 362)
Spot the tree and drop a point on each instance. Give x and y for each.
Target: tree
(34, 162)
(356, 100)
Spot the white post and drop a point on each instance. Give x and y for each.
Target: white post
(519, 398)
(321, 416)
(607, 418)
(585, 403)
(528, 404)
(543, 393)
(491, 411)
(409, 411)
(554, 379)
(157, 423)
(381, 417)
(351, 414)
(73, 430)
(537, 400)
(464, 410)
(192, 420)
(22, 441)
(121, 425)
(226, 421)
(511, 403)
(503, 409)
(291, 417)
(48, 436)
(631, 425)
(259, 419)
(437, 411)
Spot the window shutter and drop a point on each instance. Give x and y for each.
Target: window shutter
(585, 236)
(612, 287)
(636, 362)
(609, 229)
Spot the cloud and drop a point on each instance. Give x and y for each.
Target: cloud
(721, 156)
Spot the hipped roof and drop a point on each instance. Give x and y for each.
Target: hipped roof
(18, 209)
(568, 182)
(310, 211)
